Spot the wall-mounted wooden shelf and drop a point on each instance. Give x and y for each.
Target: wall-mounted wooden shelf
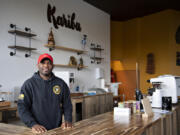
(21, 48)
(26, 33)
(62, 65)
(70, 66)
(97, 58)
(96, 49)
(65, 48)
(21, 33)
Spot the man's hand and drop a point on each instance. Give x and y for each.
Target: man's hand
(37, 129)
(66, 125)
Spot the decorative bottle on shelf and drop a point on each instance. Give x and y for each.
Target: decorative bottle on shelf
(84, 41)
(51, 40)
(80, 65)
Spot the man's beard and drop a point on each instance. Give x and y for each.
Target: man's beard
(47, 74)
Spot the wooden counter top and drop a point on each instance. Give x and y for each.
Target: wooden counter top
(110, 125)
(98, 125)
(8, 129)
(104, 124)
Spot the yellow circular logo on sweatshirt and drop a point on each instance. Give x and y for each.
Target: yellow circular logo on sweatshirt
(56, 89)
(21, 96)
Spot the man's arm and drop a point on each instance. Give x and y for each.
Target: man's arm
(24, 109)
(24, 106)
(67, 107)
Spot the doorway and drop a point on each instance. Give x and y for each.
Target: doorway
(127, 79)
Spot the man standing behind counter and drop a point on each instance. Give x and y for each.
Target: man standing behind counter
(44, 98)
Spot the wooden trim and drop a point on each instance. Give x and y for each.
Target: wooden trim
(69, 66)
(97, 58)
(21, 33)
(96, 49)
(65, 48)
(21, 48)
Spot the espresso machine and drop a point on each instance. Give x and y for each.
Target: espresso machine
(169, 86)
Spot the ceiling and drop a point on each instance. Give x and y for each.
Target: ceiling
(122, 10)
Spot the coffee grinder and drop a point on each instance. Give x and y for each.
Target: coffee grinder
(138, 92)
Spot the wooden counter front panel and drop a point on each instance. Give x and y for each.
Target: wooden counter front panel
(154, 129)
(102, 104)
(109, 103)
(174, 123)
(178, 120)
(93, 105)
(97, 105)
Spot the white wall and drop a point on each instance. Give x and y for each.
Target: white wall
(33, 13)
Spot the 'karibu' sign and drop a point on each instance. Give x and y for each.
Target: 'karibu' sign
(64, 21)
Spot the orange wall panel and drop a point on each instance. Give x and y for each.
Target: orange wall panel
(150, 34)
